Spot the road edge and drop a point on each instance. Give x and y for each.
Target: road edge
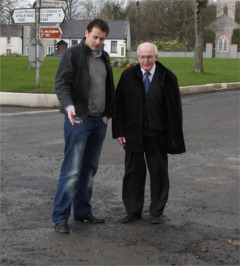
(51, 101)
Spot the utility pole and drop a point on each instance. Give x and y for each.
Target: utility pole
(37, 53)
(138, 22)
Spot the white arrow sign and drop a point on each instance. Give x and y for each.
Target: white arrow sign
(54, 3)
(52, 15)
(24, 15)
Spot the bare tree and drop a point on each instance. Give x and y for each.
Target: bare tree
(71, 11)
(210, 13)
(106, 9)
(114, 10)
(167, 20)
(200, 5)
(7, 7)
(132, 16)
(237, 12)
(81, 9)
(88, 8)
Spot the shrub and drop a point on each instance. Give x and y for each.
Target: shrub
(209, 36)
(236, 38)
(169, 46)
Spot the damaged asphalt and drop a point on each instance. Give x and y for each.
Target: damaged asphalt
(201, 225)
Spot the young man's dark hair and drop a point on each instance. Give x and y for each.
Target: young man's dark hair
(100, 24)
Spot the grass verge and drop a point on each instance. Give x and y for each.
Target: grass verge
(18, 76)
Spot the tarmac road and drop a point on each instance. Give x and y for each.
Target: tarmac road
(201, 225)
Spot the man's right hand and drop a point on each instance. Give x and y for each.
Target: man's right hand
(122, 141)
(71, 113)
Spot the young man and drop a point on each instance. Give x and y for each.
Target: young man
(148, 125)
(85, 89)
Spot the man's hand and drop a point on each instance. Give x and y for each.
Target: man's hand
(122, 141)
(105, 119)
(71, 113)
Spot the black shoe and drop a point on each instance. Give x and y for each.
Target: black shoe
(90, 219)
(62, 227)
(131, 218)
(156, 219)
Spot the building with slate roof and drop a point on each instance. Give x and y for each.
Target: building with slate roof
(16, 38)
(116, 44)
(11, 41)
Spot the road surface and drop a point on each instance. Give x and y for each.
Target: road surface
(201, 219)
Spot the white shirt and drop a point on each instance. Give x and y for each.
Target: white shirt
(152, 71)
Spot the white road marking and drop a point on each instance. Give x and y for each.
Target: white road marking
(29, 113)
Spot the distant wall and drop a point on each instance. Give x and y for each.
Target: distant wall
(185, 54)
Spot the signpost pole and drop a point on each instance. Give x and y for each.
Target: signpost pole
(37, 59)
(54, 14)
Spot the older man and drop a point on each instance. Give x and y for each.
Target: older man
(148, 125)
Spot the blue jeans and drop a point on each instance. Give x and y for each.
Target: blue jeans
(83, 145)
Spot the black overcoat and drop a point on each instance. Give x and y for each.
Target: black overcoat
(130, 101)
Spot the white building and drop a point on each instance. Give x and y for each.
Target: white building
(16, 38)
(11, 41)
(116, 44)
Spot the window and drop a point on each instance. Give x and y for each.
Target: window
(114, 47)
(223, 44)
(9, 51)
(74, 42)
(50, 50)
(225, 10)
(29, 33)
(122, 51)
(8, 40)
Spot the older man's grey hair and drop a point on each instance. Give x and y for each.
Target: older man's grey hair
(155, 47)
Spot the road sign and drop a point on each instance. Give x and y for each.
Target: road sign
(50, 32)
(54, 3)
(26, 15)
(32, 55)
(51, 15)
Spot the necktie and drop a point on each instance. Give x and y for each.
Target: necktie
(146, 81)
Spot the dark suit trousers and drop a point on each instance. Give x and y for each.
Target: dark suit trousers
(155, 157)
